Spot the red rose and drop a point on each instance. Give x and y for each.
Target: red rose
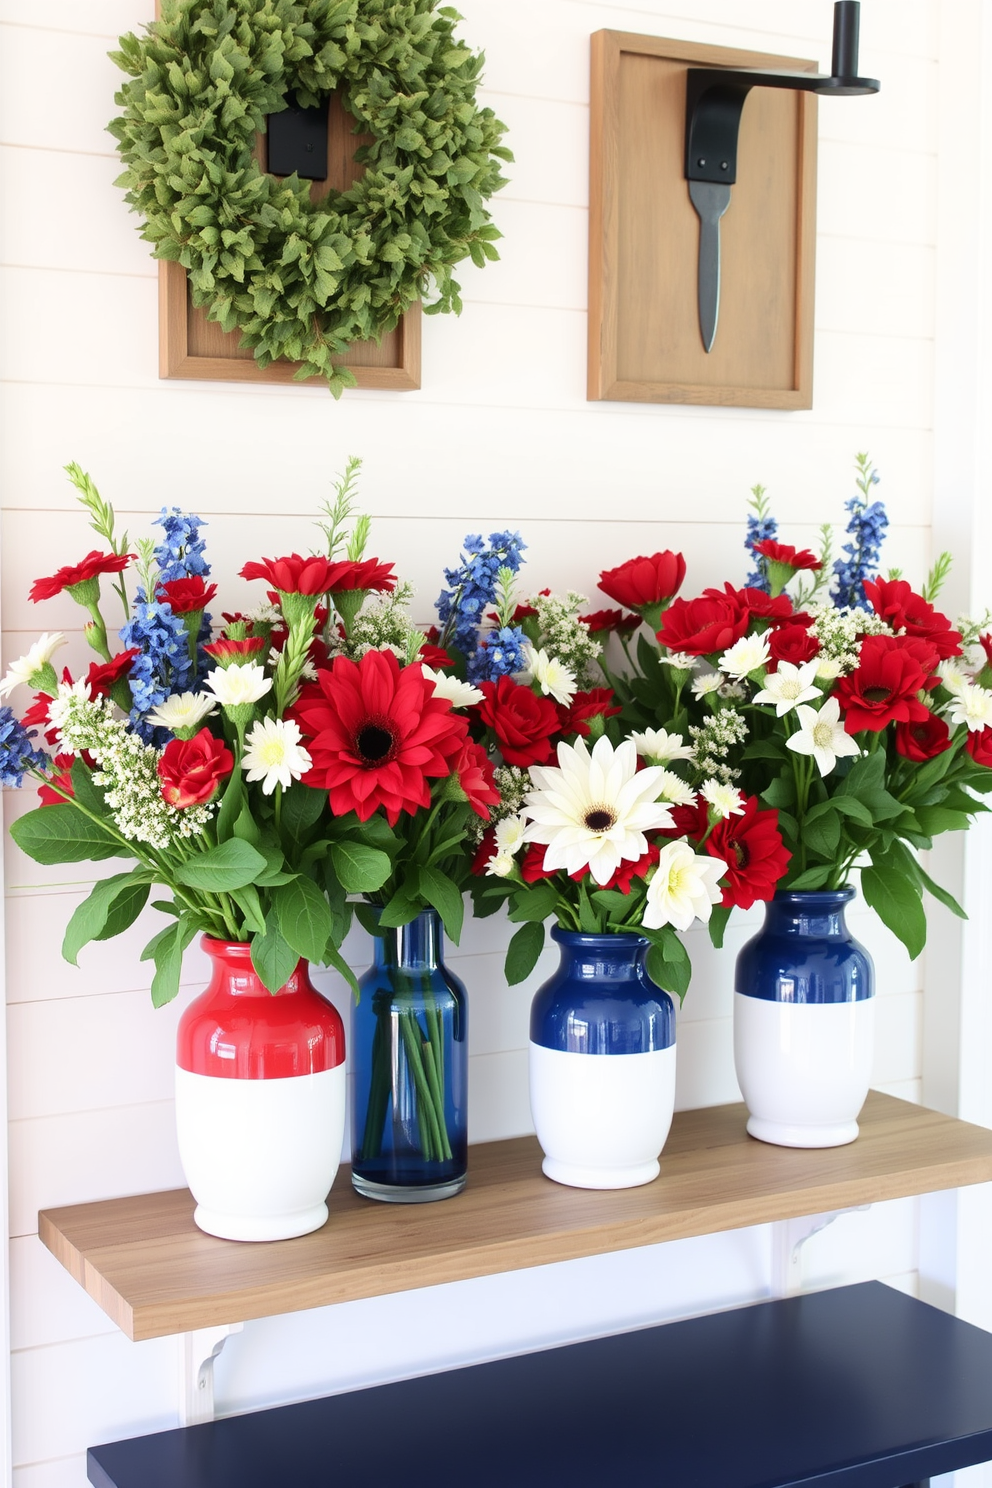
(523, 723)
(923, 740)
(574, 717)
(60, 777)
(792, 643)
(895, 602)
(601, 621)
(477, 779)
(979, 746)
(103, 675)
(752, 848)
(191, 770)
(883, 688)
(186, 596)
(787, 555)
(92, 566)
(703, 626)
(642, 582)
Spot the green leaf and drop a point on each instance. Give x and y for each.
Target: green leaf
(719, 915)
(272, 957)
(440, 891)
(125, 910)
(404, 906)
(940, 894)
(368, 918)
(935, 819)
(230, 806)
(896, 901)
(360, 869)
(534, 902)
(612, 900)
(62, 834)
(823, 835)
(246, 828)
(304, 917)
(588, 918)
(166, 950)
(331, 956)
(813, 878)
(86, 791)
(523, 951)
(300, 810)
(376, 832)
(667, 964)
(250, 906)
(90, 917)
(230, 865)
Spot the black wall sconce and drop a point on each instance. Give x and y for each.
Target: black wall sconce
(715, 98)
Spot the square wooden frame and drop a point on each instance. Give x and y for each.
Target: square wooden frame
(770, 355)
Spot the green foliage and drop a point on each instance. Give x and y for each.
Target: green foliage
(64, 834)
(166, 950)
(230, 865)
(525, 947)
(302, 280)
(125, 892)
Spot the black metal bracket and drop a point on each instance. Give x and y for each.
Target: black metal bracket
(715, 98)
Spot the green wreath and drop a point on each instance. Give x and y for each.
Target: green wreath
(302, 280)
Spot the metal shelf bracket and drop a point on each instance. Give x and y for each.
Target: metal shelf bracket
(197, 1352)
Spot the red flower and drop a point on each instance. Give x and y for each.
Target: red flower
(985, 641)
(377, 734)
(434, 656)
(644, 581)
(637, 868)
(895, 602)
(103, 675)
(368, 574)
(786, 554)
(186, 596)
(191, 770)
(483, 853)
(979, 746)
(752, 848)
(883, 688)
(37, 714)
(599, 702)
(62, 778)
(923, 740)
(608, 620)
(236, 651)
(792, 643)
(689, 821)
(531, 863)
(477, 778)
(320, 575)
(763, 606)
(711, 623)
(523, 723)
(92, 566)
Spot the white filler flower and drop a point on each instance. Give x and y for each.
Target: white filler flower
(459, 694)
(183, 710)
(273, 753)
(822, 735)
(28, 666)
(593, 810)
(551, 675)
(726, 800)
(789, 686)
(661, 747)
(749, 654)
(971, 705)
(235, 686)
(683, 888)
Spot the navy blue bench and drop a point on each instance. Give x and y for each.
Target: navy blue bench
(860, 1387)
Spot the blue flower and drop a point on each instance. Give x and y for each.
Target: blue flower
(499, 654)
(180, 553)
(866, 529)
(17, 751)
(163, 666)
(462, 608)
(759, 529)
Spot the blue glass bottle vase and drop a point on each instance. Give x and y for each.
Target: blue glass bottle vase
(804, 1022)
(602, 1064)
(408, 1074)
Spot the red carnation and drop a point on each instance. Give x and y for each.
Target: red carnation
(62, 779)
(703, 626)
(752, 848)
(377, 734)
(792, 643)
(92, 566)
(186, 596)
(434, 656)
(896, 603)
(923, 740)
(599, 702)
(883, 688)
(610, 620)
(103, 675)
(235, 651)
(368, 574)
(979, 746)
(787, 555)
(191, 770)
(523, 723)
(320, 575)
(477, 778)
(644, 582)
(762, 606)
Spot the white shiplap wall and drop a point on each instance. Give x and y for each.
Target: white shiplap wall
(500, 435)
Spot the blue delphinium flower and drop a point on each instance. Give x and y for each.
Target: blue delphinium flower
(180, 553)
(17, 751)
(164, 665)
(761, 526)
(866, 529)
(500, 653)
(461, 608)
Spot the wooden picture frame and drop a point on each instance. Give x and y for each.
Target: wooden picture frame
(644, 340)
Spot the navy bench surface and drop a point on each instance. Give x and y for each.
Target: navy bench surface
(861, 1387)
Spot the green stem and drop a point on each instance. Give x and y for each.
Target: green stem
(429, 1134)
(379, 1087)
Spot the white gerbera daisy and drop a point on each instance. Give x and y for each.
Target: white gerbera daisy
(235, 686)
(659, 747)
(593, 810)
(274, 755)
(726, 800)
(552, 676)
(749, 654)
(459, 694)
(789, 686)
(822, 734)
(683, 888)
(971, 705)
(35, 661)
(183, 710)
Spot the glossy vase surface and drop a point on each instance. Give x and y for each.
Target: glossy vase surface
(260, 1100)
(804, 1022)
(408, 1074)
(602, 1064)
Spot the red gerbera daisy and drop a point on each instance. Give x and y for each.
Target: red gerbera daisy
(477, 778)
(895, 602)
(751, 846)
(377, 734)
(92, 566)
(883, 689)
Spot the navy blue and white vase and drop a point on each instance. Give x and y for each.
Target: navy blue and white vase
(602, 1064)
(804, 1022)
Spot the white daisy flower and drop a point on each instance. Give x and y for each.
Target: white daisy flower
(552, 676)
(828, 668)
(681, 660)
(661, 747)
(274, 755)
(683, 888)
(236, 686)
(500, 865)
(953, 676)
(709, 682)
(265, 613)
(593, 810)
(459, 694)
(726, 800)
(510, 834)
(749, 654)
(34, 661)
(64, 702)
(183, 710)
(971, 705)
(674, 791)
(789, 686)
(822, 734)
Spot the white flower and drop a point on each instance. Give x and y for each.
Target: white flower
(749, 654)
(593, 810)
(308, 672)
(183, 710)
(274, 755)
(500, 865)
(235, 686)
(681, 660)
(510, 834)
(707, 683)
(822, 735)
(29, 665)
(726, 800)
(971, 705)
(65, 702)
(789, 686)
(265, 613)
(674, 791)
(661, 747)
(459, 694)
(684, 887)
(953, 676)
(828, 668)
(551, 675)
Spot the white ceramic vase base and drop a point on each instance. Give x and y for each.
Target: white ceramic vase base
(252, 1228)
(782, 1135)
(579, 1177)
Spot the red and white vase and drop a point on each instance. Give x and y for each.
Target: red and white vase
(260, 1100)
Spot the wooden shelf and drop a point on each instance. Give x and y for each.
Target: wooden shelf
(154, 1273)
